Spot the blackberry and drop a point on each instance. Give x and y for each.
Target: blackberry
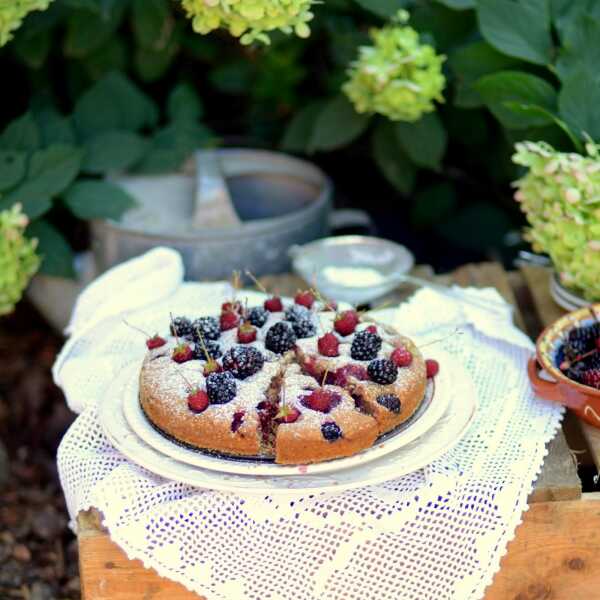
(297, 312)
(243, 361)
(581, 340)
(382, 370)
(258, 316)
(365, 345)
(209, 328)
(214, 350)
(304, 328)
(389, 401)
(331, 431)
(221, 387)
(280, 338)
(181, 327)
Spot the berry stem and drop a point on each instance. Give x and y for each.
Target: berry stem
(174, 329)
(257, 283)
(136, 329)
(457, 331)
(566, 364)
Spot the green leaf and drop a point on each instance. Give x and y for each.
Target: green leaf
(54, 127)
(50, 171)
(152, 23)
(578, 103)
(566, 13)
(499, 89)
(517, 28)
(424, 141)
(184, 103)
(469, 63)
(232, 77)
(57, 256)
(447, 27)
(112, 56)
(12, 168)
(337, 125)
(581, 48)
(382, 8)
(391, 159)
(32, 50)
(433, 205)
(458, 4)
(21, 134)
(299, 130)
(98, 200)
(112, 151)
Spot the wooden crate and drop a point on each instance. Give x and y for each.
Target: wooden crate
(556, 551)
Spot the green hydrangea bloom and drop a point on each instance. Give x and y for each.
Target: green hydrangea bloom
(18, 260)
(397, 76)
(12, 13)
(250, 20)
(560, 196)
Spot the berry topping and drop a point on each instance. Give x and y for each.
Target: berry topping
(382, 370)
(432, 367)
(288, 414)
(304, 328)
(581, 340)
(321, 400)
(258, 316)
(297, 312)
(211, 348)
(212, 366)
(389, 401)
(280, 338)
(329, 345)
(181, 327)
(229, 306)
(246, 333)
(243, 361)
(356, 371)
(401, 357)
(591, 377)
(305, 298)
(238, 419)
(208, 327)
(274, 304)
(309, 367)
(331, 431)
(221, 387)
(155, 342)
(346, 322)
(198, 401)
(365, 345)
(371, 329)
(182, 353)
(229, 320)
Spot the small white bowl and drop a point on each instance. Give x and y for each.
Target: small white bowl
(352, 268)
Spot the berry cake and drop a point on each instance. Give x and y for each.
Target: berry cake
(297, 382)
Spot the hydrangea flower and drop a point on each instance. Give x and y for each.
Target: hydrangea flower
(250, 20)
(18, 260)
(560, 196)
(12, 13)
(398, 76)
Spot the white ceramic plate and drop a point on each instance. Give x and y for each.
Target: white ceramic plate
(429, 412)
(564, 297)
(442, 436)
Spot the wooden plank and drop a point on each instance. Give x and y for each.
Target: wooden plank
(555, 554)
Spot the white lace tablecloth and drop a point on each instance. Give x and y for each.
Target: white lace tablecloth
(438, 533)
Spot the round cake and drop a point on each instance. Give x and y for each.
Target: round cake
(300, 382)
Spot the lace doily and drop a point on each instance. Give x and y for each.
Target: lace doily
(438, 533)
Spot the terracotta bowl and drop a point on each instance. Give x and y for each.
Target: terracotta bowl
(581, 399)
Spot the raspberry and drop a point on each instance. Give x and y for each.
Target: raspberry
(273, 304)
(182, 353)
(401, 357)
(331, 431)
(296, 313)
(356, 371)
(211, 366)
(321, 400)
(212, 348)
(329, 345)
(288, 414)
(246, 333)
(309, 367)
(238, 419)
(181, 327)
(432, 367)
(371, 329)
(229, 306)
(591, 378)
(304, 329)
(305, 298)
(383, 370)
(346, 323)
(198, 401)
(229, 320)
(155, 342)
(365, 345)
(221, 387)
(389, 401)
(280, 338)
(243, 361)
(208, 327)
(258, 316)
